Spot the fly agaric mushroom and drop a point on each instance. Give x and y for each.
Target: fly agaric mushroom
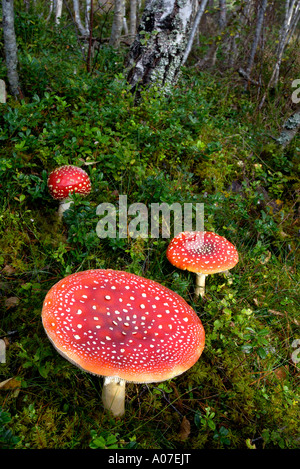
(65, 180)
(123, 327)
(202, 252)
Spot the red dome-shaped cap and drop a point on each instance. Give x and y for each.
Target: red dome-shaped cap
(202, 252)
(68, 179)
(117, 324)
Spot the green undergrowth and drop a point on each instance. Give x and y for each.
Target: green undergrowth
(205, 144)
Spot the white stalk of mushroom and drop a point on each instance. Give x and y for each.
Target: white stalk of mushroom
(123, 327)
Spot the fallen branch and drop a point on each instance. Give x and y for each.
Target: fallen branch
(246, 76)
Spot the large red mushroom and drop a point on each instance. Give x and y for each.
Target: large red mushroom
(66, 180)
(123, 327)
(202, 252)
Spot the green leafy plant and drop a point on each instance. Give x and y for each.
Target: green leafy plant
(107, 441)
(7, 439)
(205, 421)
(222, 436)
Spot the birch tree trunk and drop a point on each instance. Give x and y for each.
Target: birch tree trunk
(194, 30)
(226, 19)
(117, 25)
(2, 92)
(155, 56)
(246, 12)
(132, 19)
(10, 47)
(77, 18)
(88, 7)
(257, 35)
(291, 14)
(51, 6)
(124, 21)
(58, 12)
(222, 14)
(292, 9)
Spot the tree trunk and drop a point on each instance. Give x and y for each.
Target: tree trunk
(155, 57)
(222, 14)
(10, 47)
(88, 8)
(51, 7)
(132, 21)
(194, 30)
(59, 4)
(292, 9)
(81, 28)
(244, 17)
(257, 35)
(291, 13)
(2, 92)
(117, 24)
(124, 21)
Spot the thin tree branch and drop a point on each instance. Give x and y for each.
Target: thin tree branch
(88, 61)
(193, 31)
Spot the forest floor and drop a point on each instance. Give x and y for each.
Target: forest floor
(207, 143)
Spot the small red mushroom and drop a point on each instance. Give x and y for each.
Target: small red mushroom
(202, 252)
(123, 327)
(65, 180)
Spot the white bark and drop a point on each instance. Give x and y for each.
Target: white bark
(2, 351)
(117, 23)
(246, 11)
(51, 7)
(10, 47)
(194, 30)
(295, 23)
(2, 92)
(257, 35)
(87, 15)
(132, 20)
(155, 56)
(291, 13)
(77, 18)
(124, 21)
(247, 77)
(223, 14)
(58, 12)
(292, 10)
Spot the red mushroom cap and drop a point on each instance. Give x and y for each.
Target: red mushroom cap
(202, 252)
(117, 324)
(68, 179)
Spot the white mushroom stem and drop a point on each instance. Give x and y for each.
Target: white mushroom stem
(63, 206)
(200, 285)
(113, 395)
